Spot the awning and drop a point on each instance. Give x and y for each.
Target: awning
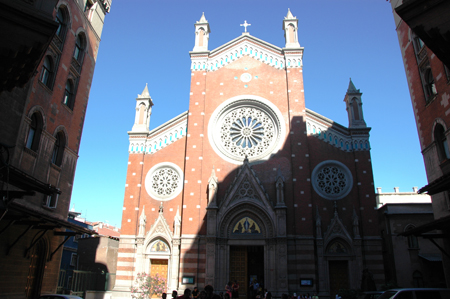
(31, 215)
(439, 224)
(439, 185)
(431, 257)
(24, 181)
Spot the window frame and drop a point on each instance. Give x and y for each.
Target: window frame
(69, 94)
(47, 72)
(34, 132)
(58, 149)
(61, 19)
(442, 147)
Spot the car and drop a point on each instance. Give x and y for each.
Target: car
(370, 295)
(59, 296)
(416, 293)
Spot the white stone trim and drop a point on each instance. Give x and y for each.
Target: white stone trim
(320, 129)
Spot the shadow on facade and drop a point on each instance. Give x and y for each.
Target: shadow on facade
(264, 221)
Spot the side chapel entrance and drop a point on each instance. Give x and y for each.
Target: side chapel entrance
(246, 263)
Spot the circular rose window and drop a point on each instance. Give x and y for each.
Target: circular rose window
(245, 127)
(164, 181)
(332, 180)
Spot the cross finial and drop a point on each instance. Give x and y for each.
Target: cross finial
(246, 25)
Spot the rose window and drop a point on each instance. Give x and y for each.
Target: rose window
(242, 127)
(332, 180)
(165, 181)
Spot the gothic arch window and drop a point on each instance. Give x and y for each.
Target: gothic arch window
(62, 18)
(34, 133)
(69, 94)
(412, 240)
(47, 72)
(58, 148)
(441, 142)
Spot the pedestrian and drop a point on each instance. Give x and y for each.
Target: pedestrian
(163, 296)
(228, 289)
(235, 290)
(195, 293)
(174, 294)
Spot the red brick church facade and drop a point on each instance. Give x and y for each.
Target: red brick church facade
(249, 183)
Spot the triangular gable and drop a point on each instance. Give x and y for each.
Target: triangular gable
(336, 229)
(246, 187)
(159, 229)
(244, 45)
(159, 137)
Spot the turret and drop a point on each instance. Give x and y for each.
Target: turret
(201, 35)
(290, 27)
(144, 105)
(353, 104)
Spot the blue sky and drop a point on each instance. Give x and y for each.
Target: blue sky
(148, 41)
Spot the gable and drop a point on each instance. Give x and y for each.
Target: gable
(245, 45)
(160, 137)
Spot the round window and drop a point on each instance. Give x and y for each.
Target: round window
(164, 181)
(332, 180)
(246, 127)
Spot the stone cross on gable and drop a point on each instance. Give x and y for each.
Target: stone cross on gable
(246, 25)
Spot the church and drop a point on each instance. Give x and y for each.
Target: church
(249, 184)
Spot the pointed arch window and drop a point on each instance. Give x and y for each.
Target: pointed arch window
(58, 149)
(47, 72)
(441, 143)
(429, 84)
(69, 97)
(34, 133)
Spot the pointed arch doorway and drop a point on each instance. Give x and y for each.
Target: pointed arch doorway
(246, 264)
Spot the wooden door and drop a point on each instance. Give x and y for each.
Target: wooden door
(160, 267)
(338, 276)
(238, 268)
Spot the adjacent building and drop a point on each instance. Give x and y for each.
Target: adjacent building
(408, 261)
(249, 184)
(48, 54)
(423, 28)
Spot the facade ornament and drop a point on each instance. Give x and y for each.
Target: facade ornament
(142, 222)
(318, 223)
(280, 188)
(245, 25)
(177, 223)
(212, 189)
(161, 208)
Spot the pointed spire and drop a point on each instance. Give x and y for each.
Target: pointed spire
(289, 15)
(145, 94)
(202, 19)
(351, 87)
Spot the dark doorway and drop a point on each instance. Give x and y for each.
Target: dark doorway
(246, 263)
(36, 270)
(338, 276)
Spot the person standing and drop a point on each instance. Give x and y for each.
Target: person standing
(235, 290)
(195, 293)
